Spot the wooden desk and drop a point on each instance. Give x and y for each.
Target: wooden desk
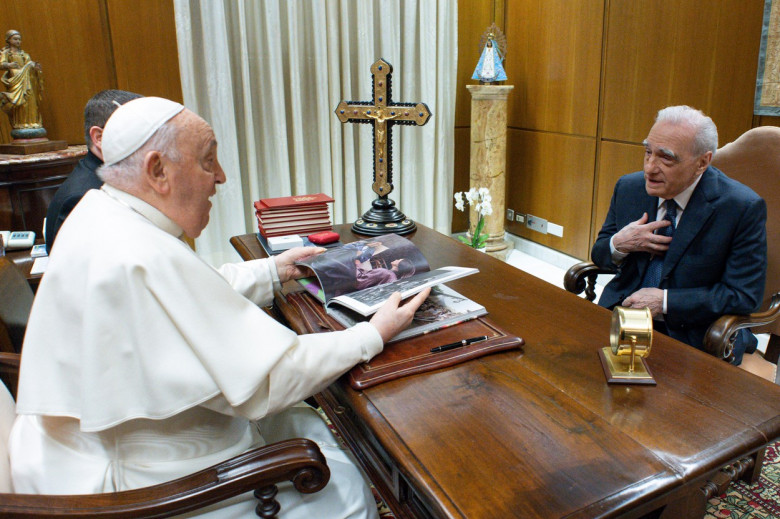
(23, 260)
(539, 434)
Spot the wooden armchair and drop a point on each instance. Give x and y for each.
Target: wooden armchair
(754, 160)
(297, 460)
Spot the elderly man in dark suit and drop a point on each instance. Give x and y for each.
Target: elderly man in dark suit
(688, 242)
(84, 177)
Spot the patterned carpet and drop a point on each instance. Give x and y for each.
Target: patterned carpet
(759, 501)
(384, 511)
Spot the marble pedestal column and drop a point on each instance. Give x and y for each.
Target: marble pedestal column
(488, 158)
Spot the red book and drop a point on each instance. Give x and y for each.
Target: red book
(285, 202)
(303, 231)
(294, 224)
(291, 210)
(297, 221)
(291, 215)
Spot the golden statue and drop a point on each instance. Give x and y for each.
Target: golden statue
(381, 115)
(23, 81)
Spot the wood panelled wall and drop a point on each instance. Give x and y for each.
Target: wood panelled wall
(589, 76)
(85, 46)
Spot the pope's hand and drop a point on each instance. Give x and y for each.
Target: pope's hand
(639, 236)
(285, 262)
(394, 317)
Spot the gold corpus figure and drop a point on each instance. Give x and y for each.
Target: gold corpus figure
(23, 81)
(381, 115)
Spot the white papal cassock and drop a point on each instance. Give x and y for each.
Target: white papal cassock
(142, 364)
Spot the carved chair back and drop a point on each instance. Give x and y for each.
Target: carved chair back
(754, 160)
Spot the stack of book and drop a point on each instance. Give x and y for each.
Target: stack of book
(302, 215)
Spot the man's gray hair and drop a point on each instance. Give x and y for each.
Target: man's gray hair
(706, 138)
(126, 173)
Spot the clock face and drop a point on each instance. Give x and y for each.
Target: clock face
(631, 325)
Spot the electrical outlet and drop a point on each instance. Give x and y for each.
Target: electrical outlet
(510, 214)
(537, 224)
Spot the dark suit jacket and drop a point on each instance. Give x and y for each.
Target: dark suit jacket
(716, 263)
(82, 179)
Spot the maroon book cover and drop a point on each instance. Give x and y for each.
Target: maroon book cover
(306, 222)
(265, 204)
(274, 216)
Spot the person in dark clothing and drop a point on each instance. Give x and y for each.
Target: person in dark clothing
(687, 241)
(83, 178)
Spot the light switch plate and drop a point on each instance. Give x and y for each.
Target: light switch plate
(535, 223)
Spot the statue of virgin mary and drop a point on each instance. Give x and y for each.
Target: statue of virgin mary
(490, 68)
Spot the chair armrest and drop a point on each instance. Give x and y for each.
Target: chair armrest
(720, 336)
(9, 370)
(297, 460)
(582, 276)
(11, 360)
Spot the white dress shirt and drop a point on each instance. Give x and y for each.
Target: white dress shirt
(682, 200)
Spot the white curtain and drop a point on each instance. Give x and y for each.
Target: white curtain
(268, 74)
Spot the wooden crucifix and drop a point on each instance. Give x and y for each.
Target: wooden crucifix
(383, 114)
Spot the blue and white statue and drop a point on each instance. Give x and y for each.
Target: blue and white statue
(490, 68)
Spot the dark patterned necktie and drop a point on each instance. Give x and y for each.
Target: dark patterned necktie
(653, 274)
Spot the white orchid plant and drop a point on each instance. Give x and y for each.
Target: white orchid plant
(481, 200)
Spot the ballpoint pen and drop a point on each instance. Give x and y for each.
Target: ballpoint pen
(459, 344)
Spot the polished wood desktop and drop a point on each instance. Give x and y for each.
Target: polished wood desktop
(538, 433)
(25, 262)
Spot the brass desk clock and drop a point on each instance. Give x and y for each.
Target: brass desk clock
(630, 339)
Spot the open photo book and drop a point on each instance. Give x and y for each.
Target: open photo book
(354, 280)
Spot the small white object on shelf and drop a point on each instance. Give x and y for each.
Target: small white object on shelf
(38, 251)
(18, 239)
(285, 242)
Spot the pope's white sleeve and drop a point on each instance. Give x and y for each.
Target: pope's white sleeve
(256, 279)
(313, 363)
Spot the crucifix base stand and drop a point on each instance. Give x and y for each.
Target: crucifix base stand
(383, 218)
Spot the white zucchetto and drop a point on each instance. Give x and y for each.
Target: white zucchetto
(133, 123)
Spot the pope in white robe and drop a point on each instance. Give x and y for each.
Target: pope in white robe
(142, 363)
